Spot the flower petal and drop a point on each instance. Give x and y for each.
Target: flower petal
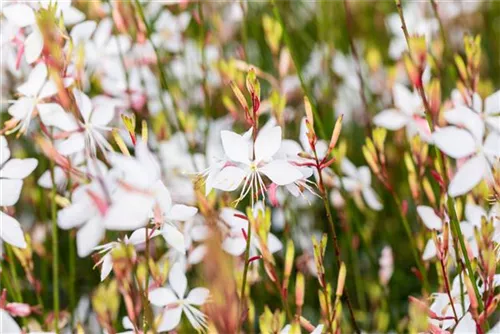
(19, 14)
(52, 114)
(466, 118)
(11, 231)
(492, 103)
(7, 323)
(235, 146)
(177, 280)
(162, 296)
(468, 176)
(229, 178)
(268, 142)
(18, 168)
(198, 296)
(429, 217)
(390, 119)
(89, 236)
(10, 191)
(371, 199)
(281, 172)
(106, 266)
(174, 238)
(181, 212)
(170, 319)
(466, 325)
(33, 46)
(454, 142)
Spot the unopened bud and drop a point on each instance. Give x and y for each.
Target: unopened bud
(336, 133)
(309, 112)
(341, 280)
(418, 49)
(412, 70)
(434, 97)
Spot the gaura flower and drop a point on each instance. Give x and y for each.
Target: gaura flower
(175, 303)
(248, 162)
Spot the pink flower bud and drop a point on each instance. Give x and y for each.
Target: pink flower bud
(18, 309)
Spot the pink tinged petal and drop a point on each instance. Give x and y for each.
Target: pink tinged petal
(84, 104)
(233, 218)
(75, 214)
(52, 114)
(18, 168)
(229, 178)
(10, 191)
(268, 142)
(468, 119)
(81, 32)
(19, 14)
(162, 297)
(492, 103)
(177, 280)
(197, 296)
(430, 219)
(89, 236)
(454, 142)
(371, 199)
(234, 246)
(390, 119)
(33, 46)
(73, 144)
(235, 146)
(466, 324)
(181, 212)
(281, 172)
(174, 238)
(468, 176)
(8, 324)
(430, 250)
(11, 231)
(106, 266)
(170, 319)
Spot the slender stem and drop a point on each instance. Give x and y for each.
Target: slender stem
(298, 67)
(146, 316)
(72, 274)
(13, 272)
(244, 30)
(447, 287)
(329, 217)
(245, 270)
(55, 249)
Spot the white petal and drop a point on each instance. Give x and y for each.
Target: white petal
(106, 266)
(52, 114)
(84, 104)
(170, 319)
(22, 107)
(454, 142)
(73, 144)
(10, 191)
(492, 103)
(198, 296)
(11, 231)
(229, 217)
(268, 142)
(163, 197)
(4, 150)
(273, 243)
(8, 324)
(429, 218)
(281, 172)
(234, 246)
(45, 181)
(466, 118)
(19, 14)
(129, 211)
(405, 100)
(197, 254)
(181, 212)
(81, 32)
(33, 46)
(390, 119)
(89, 236)
(103, 114)
(365, 175)
(371, 199)
(174, 238)
(468, 176)
(348, 168)
(466, 325)
(430, 250)
(18, 168)
(235, 146)
(139, 236)
(229, 178)
(162, 296)
(177, 280)
(35, 82)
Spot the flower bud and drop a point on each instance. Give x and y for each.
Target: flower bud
(341, 280)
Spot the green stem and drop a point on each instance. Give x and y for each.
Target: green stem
(298, 67)
(72, 274)
(55, 249)
(245, 269)
(13, 272)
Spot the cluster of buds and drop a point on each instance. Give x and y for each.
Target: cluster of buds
(415, 60)
(253, 87)
(415, 162)
(468, 69)
(106, 304)
(374, 154)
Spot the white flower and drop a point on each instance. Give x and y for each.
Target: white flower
(7, 323)
(248, 162)
(459, 143)
(175, 302)
(37, 88)
(358, 180)
(12, 173)
(408, 113)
